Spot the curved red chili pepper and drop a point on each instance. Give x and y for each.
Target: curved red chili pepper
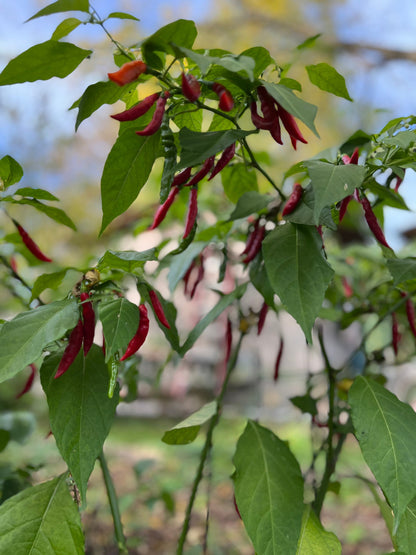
(138, 109)
(140, 336)
(399, 181)
(255, 244)
(191, 89)
(29, 382)
(226, 101)
(293, 200)
(199, 276)
(158, 308)
(270, 113)
(410, 313)
(262, 317)
(289, 123)
(343, 206)
(205, 169)
(72, 349)
(278, 360)
(228, 341)
(156, 121)
(373, 222)
(348, 291)
(225, 159)
(259, 121)
(163, 208)
(30, 243)
(192, 212)
(88, 317)
(251, 237)
(182, 177)
(128, 72)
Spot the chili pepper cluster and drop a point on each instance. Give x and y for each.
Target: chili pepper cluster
(273, 115)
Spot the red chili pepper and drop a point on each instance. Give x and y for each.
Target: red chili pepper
(30, 244)
(29, 381)
(293, 200)
(395, 333)
(278, 360)
(187, 276)
(262, 317)
(258, 121)
(205, 169)
(140, 336)
(251, 237)
(192, 211)
(158, 308)
(410, 313)
(351, 160)
(236, 507)
(291, 126)
(343, 206)
(225, 159)
(270, 113)
(255, 245)
(348, 291)
(138, 109)
(13, 264)
(156, 121)
(199, 276)
(128, 72)
(72, 349)
(182, 177)
(191, 89)
(398, 183)
(163, 208)
(372, 222)
(226, 101)
(88, 317)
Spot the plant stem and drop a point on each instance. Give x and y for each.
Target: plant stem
(256, 165)
(207, 446)
(331, 453)
(113, 501)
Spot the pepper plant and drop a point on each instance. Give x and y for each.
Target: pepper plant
(294, 257)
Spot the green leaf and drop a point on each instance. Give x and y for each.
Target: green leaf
(181, 32)
(304, 212)
(305, 403)
(11, 172)
(197, 147)
(297, 271)
(218, 123)
(126, 171)
(291, 84)
(98, 94)
(63, 6)
(402, 270)
(327, 78)
(192, 119)
(314, 540)
(55, 214)
(249, 203)
(309, 42)
(126, 261)
(122, 15)
(186, 431)
(65, 27)
(261, 57)
(405, 539)
(120, 320)
(260, 280)
(300, 109)
(268, 490)
(36, 193)
(403, 139)
(212, 315)
(237, 64)
(80, 411)
(332, 183)
(237, 179)
(43, 61)
(41, 519)
(386, 431)
(48, 281)
(23, 339)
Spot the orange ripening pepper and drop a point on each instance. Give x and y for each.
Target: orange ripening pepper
(128, 72)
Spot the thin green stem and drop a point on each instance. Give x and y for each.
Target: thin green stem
(97, 19)
(113, 501)
(256, 165)
(18, 277)
(207, 447)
